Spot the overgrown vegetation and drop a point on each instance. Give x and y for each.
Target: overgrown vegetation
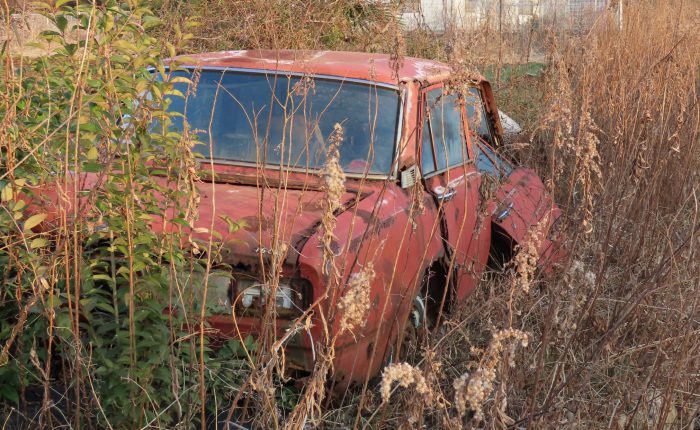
(610, 341)
(82, 303)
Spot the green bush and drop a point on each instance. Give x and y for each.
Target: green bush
(85, 282)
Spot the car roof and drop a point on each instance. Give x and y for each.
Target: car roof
(380, 68)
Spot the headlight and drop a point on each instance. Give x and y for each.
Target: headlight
(219, 289)
(253, 292)
(290, 295)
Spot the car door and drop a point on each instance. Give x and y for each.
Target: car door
(451, 177)
(520, 201)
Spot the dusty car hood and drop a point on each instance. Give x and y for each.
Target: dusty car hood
(248, 219)
(265, 218)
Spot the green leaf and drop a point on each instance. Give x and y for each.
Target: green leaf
(141, 314)
(71, 48)
(89, 126)
(124, 45)
(94, 83)
(183, 222)
(19, 205)
(109, 22)
(49, 33)
(33, 221)
(10, 393)
(39, 242)
(92, 167)
(150, 22)
(105, 307)
(7, 193)
(61, 22)
(92, 153)
(180, 80)
(232, 225)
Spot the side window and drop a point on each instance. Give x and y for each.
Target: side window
(487, 161)
(476, 114)
(427, 163)
(443, 143)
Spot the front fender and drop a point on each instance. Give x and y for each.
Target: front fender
(389, 231)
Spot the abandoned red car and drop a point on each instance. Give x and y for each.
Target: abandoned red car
(424, 195)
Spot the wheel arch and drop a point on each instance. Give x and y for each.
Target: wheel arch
(501, 249)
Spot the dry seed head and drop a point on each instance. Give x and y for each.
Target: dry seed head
(192, 89)
(578, 283)
(472, 391)
(406, 375)
(397, 48)
(417, 206)
(372, 69)
(433, 361)
(334, 185)
(498, 342)
(525, 261)
(308, 410)
(559, 117)
(355, 303)
(333, 174)
(305, 85)
(589, 175)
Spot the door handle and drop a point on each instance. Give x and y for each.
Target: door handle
(504, 213)
(447, 195)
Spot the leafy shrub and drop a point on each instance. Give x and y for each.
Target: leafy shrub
(86, 283)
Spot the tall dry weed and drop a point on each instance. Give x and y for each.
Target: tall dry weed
(616, 332)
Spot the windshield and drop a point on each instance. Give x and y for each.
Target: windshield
(275, 119)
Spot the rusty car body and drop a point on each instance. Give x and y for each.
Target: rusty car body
(426, 199)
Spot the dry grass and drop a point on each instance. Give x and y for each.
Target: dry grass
(614, 338)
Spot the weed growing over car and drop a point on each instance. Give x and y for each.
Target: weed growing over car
(354, 304)
(334, 179)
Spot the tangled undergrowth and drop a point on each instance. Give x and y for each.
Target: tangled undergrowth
(611, 340)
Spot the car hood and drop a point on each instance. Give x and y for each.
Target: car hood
(248, 219)
(256, 220)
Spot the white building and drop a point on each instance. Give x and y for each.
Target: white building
(438, 15)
